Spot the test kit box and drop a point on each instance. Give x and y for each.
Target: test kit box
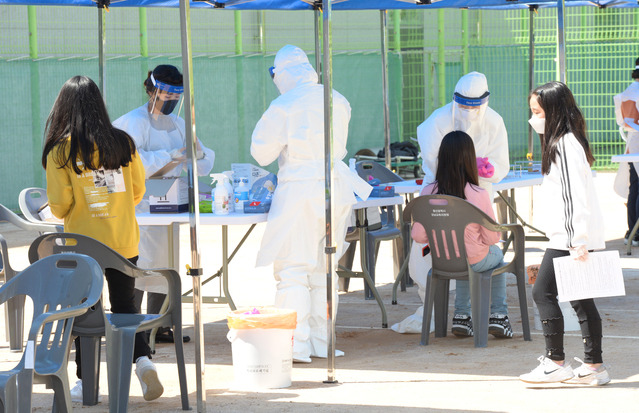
(168, 194)
(383, 191)
(256, 207)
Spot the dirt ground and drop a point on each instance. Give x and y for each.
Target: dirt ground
(383, 370)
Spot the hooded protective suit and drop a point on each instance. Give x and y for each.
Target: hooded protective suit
(484, 126)
(625, 186)
(488, 132)
(292, 131)
(156, 138)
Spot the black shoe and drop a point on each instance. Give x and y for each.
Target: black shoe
(499, 326)
(167, 337)
(462, 325)
(635, 241)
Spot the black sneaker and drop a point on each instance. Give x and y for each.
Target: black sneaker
(499, 326)
(462, 325)
(635, 241)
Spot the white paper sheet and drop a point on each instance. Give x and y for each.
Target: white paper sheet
(599, 276)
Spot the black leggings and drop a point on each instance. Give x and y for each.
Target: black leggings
(552, 320)
(121, 296)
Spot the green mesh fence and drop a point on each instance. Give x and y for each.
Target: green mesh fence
(233, 49)
(231, 93)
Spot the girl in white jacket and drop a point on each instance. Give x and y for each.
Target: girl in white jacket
(574, 228)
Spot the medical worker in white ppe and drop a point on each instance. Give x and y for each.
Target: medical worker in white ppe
(291, 131)
(159, 135)
(468, 112)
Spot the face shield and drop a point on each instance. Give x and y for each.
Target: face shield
(165, 98)
(468, 111)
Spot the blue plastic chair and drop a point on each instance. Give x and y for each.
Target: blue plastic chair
(445, 219)
(386, 231)
(121, 328)
(61, 288)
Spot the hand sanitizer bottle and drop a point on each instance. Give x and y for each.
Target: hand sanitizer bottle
(220, 195)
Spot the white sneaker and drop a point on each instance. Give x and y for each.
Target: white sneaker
(588, 376)
(548, 372)
(149, 381)
(76, 392)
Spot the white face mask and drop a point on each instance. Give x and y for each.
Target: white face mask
(538, 124)
(468, 115)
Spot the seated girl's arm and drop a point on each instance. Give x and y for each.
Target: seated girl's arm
(418, 233)
(484, 203)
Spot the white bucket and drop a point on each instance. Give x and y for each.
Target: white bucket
(262, 357)
(571, 321)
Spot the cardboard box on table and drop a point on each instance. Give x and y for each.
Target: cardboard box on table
(168, 194)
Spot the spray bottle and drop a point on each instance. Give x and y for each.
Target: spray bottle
(228, 183)
(220, 195)
(241, 194)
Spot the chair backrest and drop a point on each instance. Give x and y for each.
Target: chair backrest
(445, 219)
(5, 266)
(49, 244)
(7, 215)
(376, 170)
(30, 201)
(61, 287)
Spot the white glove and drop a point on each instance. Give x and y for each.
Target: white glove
(177, 154)
(199, 154)
(579, 253)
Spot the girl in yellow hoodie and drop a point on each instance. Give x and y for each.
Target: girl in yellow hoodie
(94, 180)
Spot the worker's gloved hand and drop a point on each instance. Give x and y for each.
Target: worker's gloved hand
(579, 253)
(484, 168)
(178, 154)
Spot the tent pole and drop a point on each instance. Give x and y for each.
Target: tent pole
(101, 48)
(194, 213)
(318, 61)
(384, 39)
(441, 58)
(328, 172)
(531, 66)
(561, 42)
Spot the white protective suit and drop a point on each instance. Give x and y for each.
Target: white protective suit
(487, 131)
(622, 180)
(155, 137)
(292, 131)
(489, 136)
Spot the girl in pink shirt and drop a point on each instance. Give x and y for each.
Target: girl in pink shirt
(457, 176)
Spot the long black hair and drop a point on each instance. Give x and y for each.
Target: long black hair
(79, 120)
(635, 71)
(562, 117)
(456, 164)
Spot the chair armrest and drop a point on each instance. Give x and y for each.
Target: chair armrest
(519, 248)
(61, 314)
(13, 218)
